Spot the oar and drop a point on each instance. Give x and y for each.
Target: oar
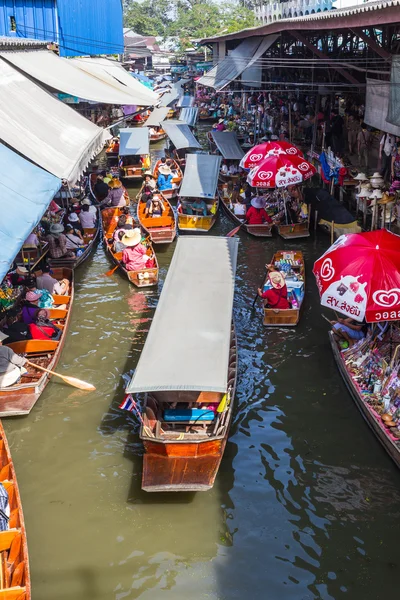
(234, 231)
(78, 383)
(110, 272)
(326, 318)
(257, 296)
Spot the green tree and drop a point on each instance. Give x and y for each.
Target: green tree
(151, 17)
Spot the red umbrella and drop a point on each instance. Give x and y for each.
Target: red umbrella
(281, 171)
(261, 151)
(359, 276)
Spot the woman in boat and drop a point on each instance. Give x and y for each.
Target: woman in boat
(100, 188)
(118, 245)
(11, 364)
(46, 282)
(74, 222)
(198, 207)
(164, 180)
(135, 255)
(257, 215)
(154, 207)
(149, 183)
(58, 242)
(348, 329)
(42, 328)
(277, 295)
(115, 197)
(74, 237)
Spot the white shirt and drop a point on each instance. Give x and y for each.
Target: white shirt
(224, 170)
(232, 170)
(388, 143)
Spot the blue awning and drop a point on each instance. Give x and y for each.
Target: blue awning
(25, 193)
(134, 141)
(189, 115)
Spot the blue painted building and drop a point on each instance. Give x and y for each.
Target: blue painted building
(77, 26)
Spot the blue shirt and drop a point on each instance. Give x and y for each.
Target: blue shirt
(164, 182)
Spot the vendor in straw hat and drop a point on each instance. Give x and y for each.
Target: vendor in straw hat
(164, 180)
(116, 194)
(135, 255)
(256, 214)
(11, 364)
(276, 296)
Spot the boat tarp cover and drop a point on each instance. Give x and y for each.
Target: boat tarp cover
(176, 91)
(113, 73)
(189, 115)
(377, 106)
(241, 58)
(328, 208)
(227, 143)
(200, 179)
(25, 193)
(134, 141)
(187, 347)
(157, 116)
(180, 135)
(185, 102)
(62, 75)
(44, 129)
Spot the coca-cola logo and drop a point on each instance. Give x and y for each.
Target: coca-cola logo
(263, 175)
(387, 298)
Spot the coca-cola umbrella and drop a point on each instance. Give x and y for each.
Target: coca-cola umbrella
(280, 171)
(359, 276)
(261, 151)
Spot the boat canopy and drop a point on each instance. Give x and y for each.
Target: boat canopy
(157, 116)
(44, 129)
(62, 75)
(180, 135)
(239, 60)
(227, 143)
(134, 141)
(200, 179)
(25, 193)
(113, 72)
(185, 102)
(189, 115)
(175, 92)
(187, 347)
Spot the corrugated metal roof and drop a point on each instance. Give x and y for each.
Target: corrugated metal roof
(334, 16)
(11, 43)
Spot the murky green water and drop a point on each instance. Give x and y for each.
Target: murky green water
(306, 503)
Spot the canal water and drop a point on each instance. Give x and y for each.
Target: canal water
(306, 504)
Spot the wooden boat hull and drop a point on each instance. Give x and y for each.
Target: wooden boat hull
(157, 137)
(134, 277)
(198, 224)
(16, 582)
(91, 237)
(297, 230)
(254, 230)
(161, 230)
(376, 425)
(290, 317)
(19, 399)
(188, 466)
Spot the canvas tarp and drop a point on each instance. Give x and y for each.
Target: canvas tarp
(157, 116)
(113, 73)
(62, 75)
(189, 115)
(185, 102)
(200, 179)
(227, 143)
(393, 115)
(187, 347)
(25, 193)
(241, 58)
(134, 141)
(377, 106)
(175, 93)
(180, 135)
(40, 127)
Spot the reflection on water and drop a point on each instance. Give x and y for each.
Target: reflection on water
(305, 505)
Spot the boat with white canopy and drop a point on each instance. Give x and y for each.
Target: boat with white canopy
(186, 373)
(198, 196)
(134, 150)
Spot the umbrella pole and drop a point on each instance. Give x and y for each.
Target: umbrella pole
(290, 122)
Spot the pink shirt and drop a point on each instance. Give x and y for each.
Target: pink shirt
(135, 258)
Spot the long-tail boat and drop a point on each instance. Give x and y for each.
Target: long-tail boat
(293, 261)
(170, 193)
(199, 182)
(162, 229)
(264, 230)
(187, 369)
(19, 399)
(146, 277)
(15, 582)
(90, 237)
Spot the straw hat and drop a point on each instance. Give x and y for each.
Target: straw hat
(86, 201)
(361, 177)
(258, 202)
(164, 170)
(114, 183)
(277, 279)
(132, 237)
(149, 173)
(22, 271)
(221, 120)
(376, 194)
(56, 228)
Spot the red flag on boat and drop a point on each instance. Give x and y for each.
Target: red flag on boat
(359, 276)
(261, 151)
(280, 171)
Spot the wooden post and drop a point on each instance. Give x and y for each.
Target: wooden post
(332, 232)
(315, 220)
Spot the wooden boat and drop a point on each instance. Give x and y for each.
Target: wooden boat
(15, 582)
(144, 277)
(131, 169)
(371, 417)
(264, 230)
(30, 256)
(112, 149)
(161, 230)
(90, 236)
(184, 446)
(206, 118)
(277, 317)
(295, 230)
(20, 398)
(158, 136)
(172, 192)
(199, 224)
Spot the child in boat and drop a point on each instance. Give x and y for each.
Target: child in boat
(11, 364)
(135, 255)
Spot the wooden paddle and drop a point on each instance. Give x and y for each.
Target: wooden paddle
(110, 272)
(262, 282)
(234, 231)
(78, 383)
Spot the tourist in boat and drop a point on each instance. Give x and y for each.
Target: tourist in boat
(277, 295)
(74, 222)
(154, 207)
(224, 168)
(42, 328)
(135, 255)
(115, 197)
(256, 214)
(87, 218)
(348, 329)
(220, 125)
(32, 240)
(58, 242)
(74, 237)
(11, 364)
(199, 207)
(118, 245)
(149, 181)
(164, 180)
(46, 282)
(100, 188)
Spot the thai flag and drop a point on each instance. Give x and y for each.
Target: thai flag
(128, 403)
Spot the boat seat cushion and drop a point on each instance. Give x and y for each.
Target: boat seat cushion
(190, 415)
